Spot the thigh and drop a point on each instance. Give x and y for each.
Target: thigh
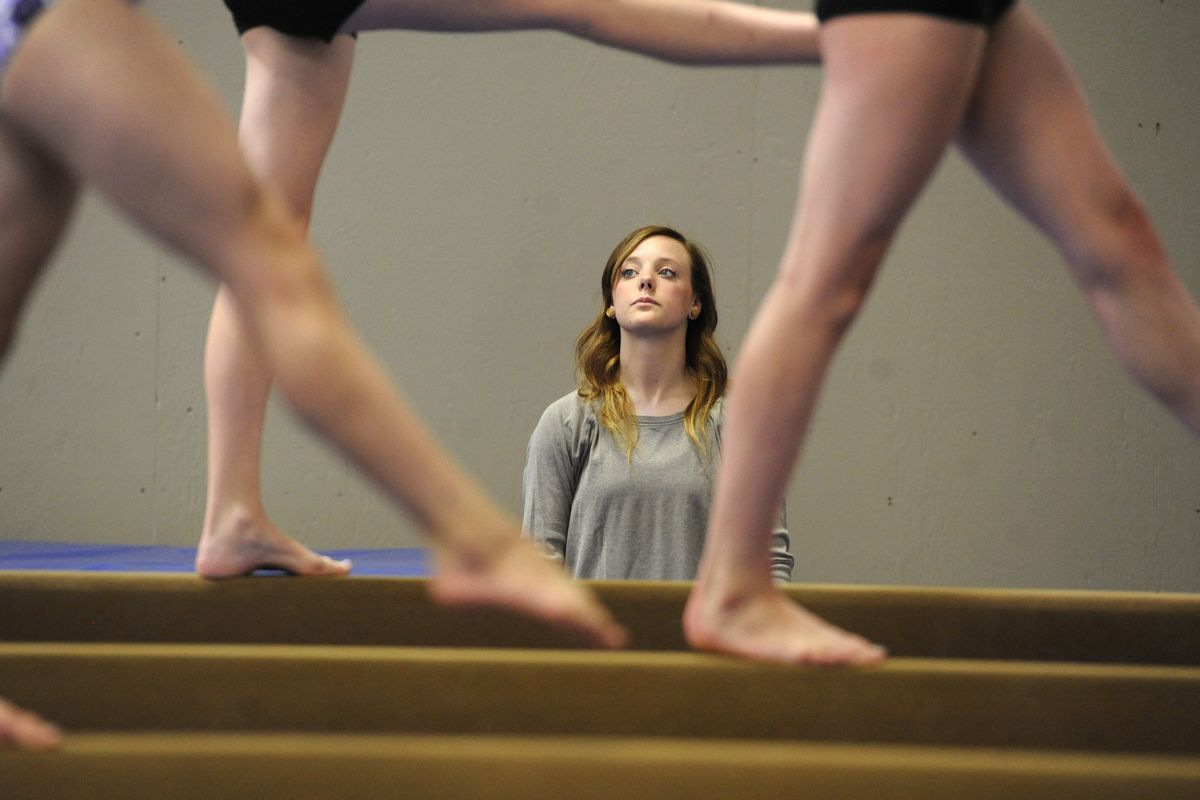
(1030, 133)
(896, 86)
(293, 99)
(100, 86)
(36, 198)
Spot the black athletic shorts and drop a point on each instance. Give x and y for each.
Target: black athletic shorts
(976, 12)
(314, 19)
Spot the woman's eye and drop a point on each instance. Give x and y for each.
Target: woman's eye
(667, 272)
(628, 272)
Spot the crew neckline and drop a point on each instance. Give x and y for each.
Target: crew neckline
(653, 421)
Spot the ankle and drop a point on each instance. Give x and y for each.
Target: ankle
(232, 518)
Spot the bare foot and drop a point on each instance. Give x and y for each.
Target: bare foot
(26, 729)
(767, 626)
(519, 578)
(244, 542)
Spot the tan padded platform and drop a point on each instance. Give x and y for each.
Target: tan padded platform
(1112, 627)
(285, 767)
(466, 690)
(175, 687)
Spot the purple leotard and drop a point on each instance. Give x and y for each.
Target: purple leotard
(15, 17)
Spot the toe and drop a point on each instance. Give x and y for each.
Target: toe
(309, 564)
(330, 566)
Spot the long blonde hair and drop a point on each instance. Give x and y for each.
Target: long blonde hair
(598, 350)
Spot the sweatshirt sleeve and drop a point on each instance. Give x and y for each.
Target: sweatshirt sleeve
(548, 483)
(782, 560)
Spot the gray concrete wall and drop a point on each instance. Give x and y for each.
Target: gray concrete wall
(975, 429)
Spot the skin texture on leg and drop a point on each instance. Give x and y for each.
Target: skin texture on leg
(679, 31)
(110, 96)
(1029, 131)
(37, 197)
(294, 92)
(895, 89)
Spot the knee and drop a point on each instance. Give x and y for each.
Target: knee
(265, 255)
(829, 293)
(844, 305)
(294, 304)
(299, 293)
(265, 214)
(303, 336)
(307, 351)
(1117, 249)
(824, 314)
(280, 285)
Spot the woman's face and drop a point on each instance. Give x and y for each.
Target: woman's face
(653, 289)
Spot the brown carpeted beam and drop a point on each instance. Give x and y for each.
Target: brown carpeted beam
(285, 767)
(431, 690)
(1112, 627)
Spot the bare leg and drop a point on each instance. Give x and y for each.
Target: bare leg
(106, 92)
(293, 98)
(295, 90)
(294, 93)
(36, 199)
(895, 89)
(1030, 132)
(680, 31)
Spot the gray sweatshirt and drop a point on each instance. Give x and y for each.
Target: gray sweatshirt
(605, 517)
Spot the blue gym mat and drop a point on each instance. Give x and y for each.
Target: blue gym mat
(400, 562)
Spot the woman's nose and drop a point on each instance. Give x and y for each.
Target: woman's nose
(647, 281)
